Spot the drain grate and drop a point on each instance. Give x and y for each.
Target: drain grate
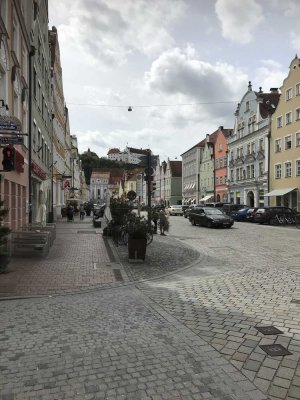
(268, 330)
(118, 275)
(86, 232)
(275, 350)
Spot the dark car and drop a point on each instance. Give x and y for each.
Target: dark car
(251, 214)
(210, 217)
(265, 215)
(187, 211)
(240, 215)
(228, 208)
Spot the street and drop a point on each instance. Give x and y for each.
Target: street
(182, 330)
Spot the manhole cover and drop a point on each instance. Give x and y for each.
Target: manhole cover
(118, 275)
(268, 330)
(275, 350)
(87, 232)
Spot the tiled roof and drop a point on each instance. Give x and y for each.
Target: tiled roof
(176, 168)
(113, 151)
(137, 151)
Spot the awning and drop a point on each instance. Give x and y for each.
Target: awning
(209, 196)
(279, 192)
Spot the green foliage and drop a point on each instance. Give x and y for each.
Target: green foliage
(137, 226)
(91, 161)
(119, 209)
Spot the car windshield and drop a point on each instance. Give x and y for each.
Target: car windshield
(213, 211)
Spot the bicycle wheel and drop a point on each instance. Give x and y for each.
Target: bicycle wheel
(275, 220)
(297, 221)
(149, 237)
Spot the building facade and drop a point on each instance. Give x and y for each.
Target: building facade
(247, 175)
(191, 160)
(15, 24)
(207, 178)
(220, 164)
(285, 143)
(173, 183)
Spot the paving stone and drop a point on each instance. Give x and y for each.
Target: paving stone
(266, 373)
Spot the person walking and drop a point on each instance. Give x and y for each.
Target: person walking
(81, 212)
(70, 212)
(163, 223)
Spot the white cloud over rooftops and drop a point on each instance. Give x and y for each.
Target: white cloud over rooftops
(239, 19)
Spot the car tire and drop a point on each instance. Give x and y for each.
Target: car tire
(209, 224)
(193, 222)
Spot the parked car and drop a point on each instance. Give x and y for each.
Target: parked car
(251, 214)
(228, 208)
(240, 215)
(187, 211)
(215, 205)
(210, 217)
(264, 215)
(175, 210)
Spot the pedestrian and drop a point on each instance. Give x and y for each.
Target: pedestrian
(70, 212)
(155, 218)
(163, 223)
(81, 211)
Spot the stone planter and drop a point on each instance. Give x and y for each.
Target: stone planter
(137, 250)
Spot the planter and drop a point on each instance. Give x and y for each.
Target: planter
(136, 249)
(97, 224)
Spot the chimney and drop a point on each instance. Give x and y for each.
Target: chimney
(221, 128)
(207, 137)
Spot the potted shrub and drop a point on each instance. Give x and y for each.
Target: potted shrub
(4, 242)
(137, 237)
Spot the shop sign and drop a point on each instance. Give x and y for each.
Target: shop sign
(37, 170)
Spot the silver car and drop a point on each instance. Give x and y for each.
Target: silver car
(175, 210)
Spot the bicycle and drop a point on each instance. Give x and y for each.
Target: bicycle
(278, 219)
(297, 220)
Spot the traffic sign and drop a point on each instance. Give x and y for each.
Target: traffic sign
(149, 171)
(11, 140)
(131, 195)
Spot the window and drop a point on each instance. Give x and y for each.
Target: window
(217, 164)
(297, 139)
(217, 180)
(297, 116)
(252, 147)
(279, 122)
(261, 144)
(288, 118)
(252, 171)
(220, 147)
(277, 145)
(247, 105)
(298, 167)
(288, 94)
(221, 180)
(298, 89)
(288, 142)
(34, 84)
(248, 172)
(288, 169)
(277, 171)
(221, 162)
(248, 148)
(261, 168)
(225, 161)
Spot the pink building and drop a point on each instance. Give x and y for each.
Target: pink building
(220, 151)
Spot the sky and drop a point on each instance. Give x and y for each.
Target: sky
(181, 65)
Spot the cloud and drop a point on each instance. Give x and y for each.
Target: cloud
(110, 31)
(184, 78)
(269, 74)
(239, 19)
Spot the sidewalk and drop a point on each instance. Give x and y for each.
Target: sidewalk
(81, 259)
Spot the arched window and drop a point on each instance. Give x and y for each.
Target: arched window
(4, 67)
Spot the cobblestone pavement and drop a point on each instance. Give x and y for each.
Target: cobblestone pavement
(251, 280)
(77, 261)
(163, 256)
(182, 327)
(110, 344)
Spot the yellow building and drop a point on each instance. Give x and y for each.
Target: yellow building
(284, 171)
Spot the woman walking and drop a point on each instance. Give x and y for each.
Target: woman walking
(163, 223)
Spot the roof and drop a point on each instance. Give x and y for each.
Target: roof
(176, 168)
(137, 151)
(113, 151)
(200, 144)
(269, 103)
